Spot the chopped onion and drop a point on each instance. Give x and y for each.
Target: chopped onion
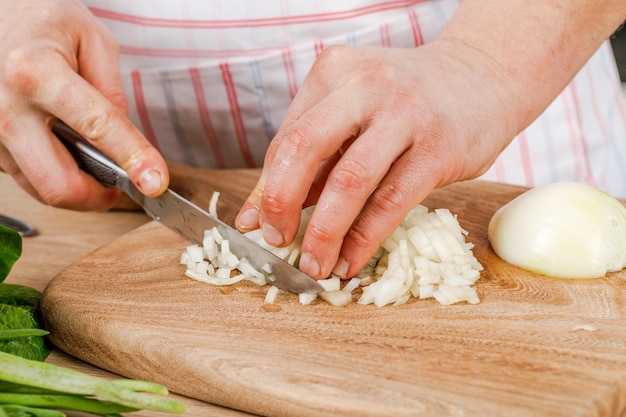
(352, 285)
(337, 298)
(213, 280)
(566, 230)
(586, 327)
(425, 257)
(213, 204)
(330, 284)
(432, 261)
(271, 295)
(307, 298)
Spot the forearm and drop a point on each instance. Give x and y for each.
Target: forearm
(533, 48)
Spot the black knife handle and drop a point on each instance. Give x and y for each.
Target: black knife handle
(90, 159)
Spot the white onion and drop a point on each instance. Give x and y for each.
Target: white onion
(426, 256)
(213, 204)
(330, 284)
(307, 298)
(566, 230)
(586, 327)
(213, 280)
(352, 285)
(435, 261)
(337, 298)
(271, 295)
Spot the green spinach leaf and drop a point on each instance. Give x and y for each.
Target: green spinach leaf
(19, 295)
(10, 250)
(13, 318)
(19, 306)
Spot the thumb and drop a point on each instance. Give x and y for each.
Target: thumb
(248, 217)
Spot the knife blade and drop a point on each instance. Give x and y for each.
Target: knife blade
(183, 216)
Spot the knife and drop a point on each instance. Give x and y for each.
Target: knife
(182, 216)
(24, 229)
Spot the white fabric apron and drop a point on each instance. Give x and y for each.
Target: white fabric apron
(209, 81)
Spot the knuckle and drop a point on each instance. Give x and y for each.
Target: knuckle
(107, 38)
(331, 54)
(377, 73)
(19, 71)
(319, 233)
(96, 126)
(349, 175)
(298, 137)
(388, 198)
(274, 204)
(362, 238)
(359, 246)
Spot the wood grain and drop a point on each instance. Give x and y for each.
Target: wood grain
(127, 307)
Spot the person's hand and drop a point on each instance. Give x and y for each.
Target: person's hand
(371, 132)
(57, 61)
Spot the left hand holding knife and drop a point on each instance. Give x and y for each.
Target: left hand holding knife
(46, 75)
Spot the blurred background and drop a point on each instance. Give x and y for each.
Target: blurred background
(619, 48)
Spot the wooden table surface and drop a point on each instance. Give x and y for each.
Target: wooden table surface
(63, 238)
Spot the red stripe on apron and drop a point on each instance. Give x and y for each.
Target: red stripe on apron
(142, 110)
(290, 72)
(203, 111)
(385, 38)
(235, 113)
(250, 23)
(418, 38)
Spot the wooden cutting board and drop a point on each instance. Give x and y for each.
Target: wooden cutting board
(128, 308)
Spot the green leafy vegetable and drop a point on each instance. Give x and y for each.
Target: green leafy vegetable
(17, 333)
(63, 402)
(20, 324)
(22, 321)
(10, 250)
(11, 410)
(30, 387)
(19, 295)
(74, 390)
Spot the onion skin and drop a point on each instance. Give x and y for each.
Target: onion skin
(566, 230)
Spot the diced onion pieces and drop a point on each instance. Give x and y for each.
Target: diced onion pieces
(307, 298)
(214, 263)
(337, 297)
(425, 257)
(271, 294)
(213, 204)
(431, 259)
(586, 327)
(330, 284)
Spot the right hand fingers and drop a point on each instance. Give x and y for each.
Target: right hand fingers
(38, 84)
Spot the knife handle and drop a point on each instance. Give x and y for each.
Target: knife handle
(90, 159)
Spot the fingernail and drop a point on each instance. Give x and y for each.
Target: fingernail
(248, 220)
(341, 268)
(309, 265)
(272, 235)
(150, 181)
